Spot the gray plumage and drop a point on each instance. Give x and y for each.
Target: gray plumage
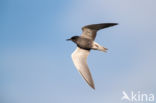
(85, 43)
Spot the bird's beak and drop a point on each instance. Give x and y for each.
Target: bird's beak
(68, 39)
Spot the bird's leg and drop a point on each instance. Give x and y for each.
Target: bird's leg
(97, 46)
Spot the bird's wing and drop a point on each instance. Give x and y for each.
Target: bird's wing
(89, 31)
(79, 57)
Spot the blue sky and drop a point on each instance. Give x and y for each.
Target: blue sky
(35, 63)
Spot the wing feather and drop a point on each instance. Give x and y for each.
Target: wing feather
(89, 31)
(79, 57)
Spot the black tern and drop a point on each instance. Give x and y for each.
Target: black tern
(85, 43)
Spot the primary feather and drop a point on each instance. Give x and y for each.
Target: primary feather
(79, 57)
(89, 31)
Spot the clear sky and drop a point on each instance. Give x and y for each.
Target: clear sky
(35, 62)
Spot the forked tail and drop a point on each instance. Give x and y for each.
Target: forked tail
(97, 46)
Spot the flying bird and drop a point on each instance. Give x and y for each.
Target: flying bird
(85, 42)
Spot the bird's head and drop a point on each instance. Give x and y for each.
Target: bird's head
(74, 38)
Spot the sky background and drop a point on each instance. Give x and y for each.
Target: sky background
(35, 62)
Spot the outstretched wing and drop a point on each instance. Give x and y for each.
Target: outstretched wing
(79, 57)
(89, 31)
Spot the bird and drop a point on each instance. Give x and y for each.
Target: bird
(85, 43)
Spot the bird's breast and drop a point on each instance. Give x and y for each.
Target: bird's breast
(84, 43)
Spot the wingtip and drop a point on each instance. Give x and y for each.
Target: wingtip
(113, 24)
(116, 23)
(92, 86)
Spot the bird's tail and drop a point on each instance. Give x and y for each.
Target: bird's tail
(97, 46)
(102, 49)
